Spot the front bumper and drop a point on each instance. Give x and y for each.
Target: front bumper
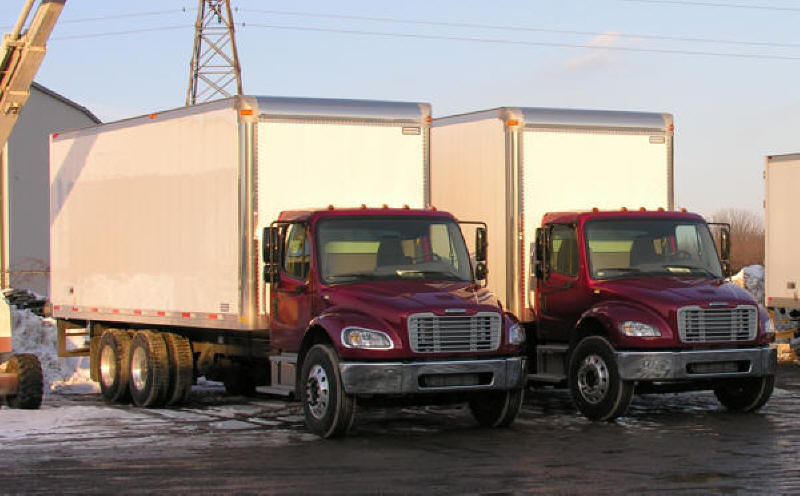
(433, 377)
(703, 364)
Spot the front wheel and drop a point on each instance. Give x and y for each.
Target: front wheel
(594, 380)
(30, 380)
(744, 395)
(497, 408)
(328, 410)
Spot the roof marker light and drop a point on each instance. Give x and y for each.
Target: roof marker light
(624, 209)
(432, 208)
(406, 207)
(385, 206)
(363, 206)
(330, 207)
(660, 209)
(683, 209)
(642, 209)
(595, 209)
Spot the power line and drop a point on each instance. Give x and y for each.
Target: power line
(119, 16)
(115, 33)
(519, 28)
(719, 4)
(525, 43)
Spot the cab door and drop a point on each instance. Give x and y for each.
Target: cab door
(291, 293)
(560, 299)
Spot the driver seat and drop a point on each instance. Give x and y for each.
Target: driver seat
(390, 252)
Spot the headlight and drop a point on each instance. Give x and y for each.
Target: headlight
(636, 329)
(516, 334)
(358, 337)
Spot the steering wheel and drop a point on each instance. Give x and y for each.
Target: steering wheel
(430, 257)
(682, 255)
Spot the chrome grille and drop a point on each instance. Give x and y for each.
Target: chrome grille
(429, 333)
(709, 325)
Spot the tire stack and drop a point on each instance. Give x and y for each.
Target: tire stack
(152, 369)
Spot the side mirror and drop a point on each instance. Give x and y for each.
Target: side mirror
(270, 254)
(539, 266)
(726, 269)
(480, 244)
(480, 271)
(725, 244)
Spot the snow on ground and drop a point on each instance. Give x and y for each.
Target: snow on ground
(33, 334)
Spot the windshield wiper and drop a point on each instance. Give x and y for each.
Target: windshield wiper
(355, 275)
(691, 267)
(449, 275)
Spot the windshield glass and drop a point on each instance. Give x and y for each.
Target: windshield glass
(391, 248)
(619, 248)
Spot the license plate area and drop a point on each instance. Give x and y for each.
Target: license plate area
(456, 380)
(725, 367)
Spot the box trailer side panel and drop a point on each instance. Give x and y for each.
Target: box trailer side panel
(573, 169)
(144, 218)
(782, 262)
(469, 181)
(340, 153)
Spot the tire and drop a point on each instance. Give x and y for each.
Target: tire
(744, 395)
(181, 368)
(112, 365)
(94, 358)
(31, 382)
(594, 381)
(149, 369)
(239, 381)
(497, 408)
(328, 410)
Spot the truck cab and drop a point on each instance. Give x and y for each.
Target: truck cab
(638, 301)
(386, 302)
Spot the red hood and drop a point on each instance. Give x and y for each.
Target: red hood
(666, 294)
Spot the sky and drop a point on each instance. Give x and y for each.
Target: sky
(735, 98)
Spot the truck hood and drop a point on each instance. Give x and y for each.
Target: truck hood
(391, 301)
(667, 294)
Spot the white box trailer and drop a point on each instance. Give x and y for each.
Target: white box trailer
(156, 219)
(509, 166)
(782, 264)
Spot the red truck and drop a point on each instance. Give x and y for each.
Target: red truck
(639, 301)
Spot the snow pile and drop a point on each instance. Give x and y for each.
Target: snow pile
(751, 278)
(33, 334)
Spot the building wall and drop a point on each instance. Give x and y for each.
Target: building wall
(28, 184)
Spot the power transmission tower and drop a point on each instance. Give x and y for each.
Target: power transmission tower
(214, 68)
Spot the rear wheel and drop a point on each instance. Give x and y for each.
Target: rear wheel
(328, 410)
(497, 408)
(112, 364)
(181, 368)
(149, 369)
(744, 395)
(594, 380)
(31, 382)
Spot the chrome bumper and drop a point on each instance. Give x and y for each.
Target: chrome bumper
(678, 365)
(413, 377)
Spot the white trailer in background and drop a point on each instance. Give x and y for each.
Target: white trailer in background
(782, 263)
(509, 166)
(156, 221)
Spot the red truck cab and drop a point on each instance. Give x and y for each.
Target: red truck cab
(638, 300)
(386, 302)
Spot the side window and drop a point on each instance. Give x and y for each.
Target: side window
(563, 250)
(296, 252)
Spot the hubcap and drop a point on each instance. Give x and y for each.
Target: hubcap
(593, 379)
(138, 368)
(317, 391)
(108, 366)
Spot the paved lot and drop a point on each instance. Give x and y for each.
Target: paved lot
(669, 443)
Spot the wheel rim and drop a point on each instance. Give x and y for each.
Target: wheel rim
(317, 391)
(108, 366)
(593, 379)
(138, 368)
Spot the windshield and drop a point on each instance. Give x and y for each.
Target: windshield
(391, 248)
(619, 248)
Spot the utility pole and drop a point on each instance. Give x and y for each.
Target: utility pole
(214, 68)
